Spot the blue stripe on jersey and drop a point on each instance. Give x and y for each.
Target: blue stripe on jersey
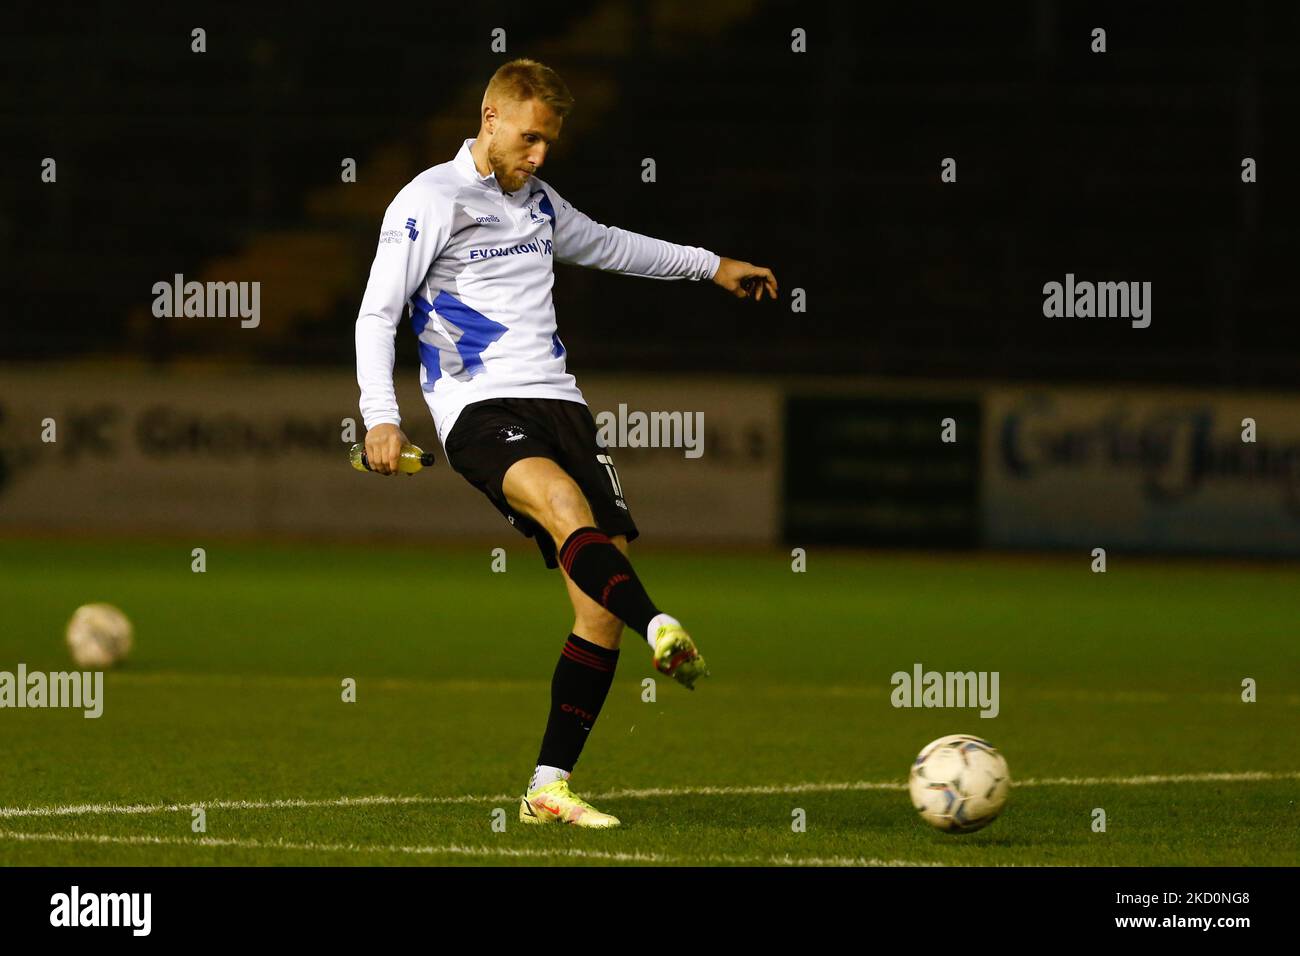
(557, 347)
(545, 206)
(428, 353)
(477, 330)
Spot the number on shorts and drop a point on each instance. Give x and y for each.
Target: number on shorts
(608, 462)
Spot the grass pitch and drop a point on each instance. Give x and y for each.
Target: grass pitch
(1119, 691)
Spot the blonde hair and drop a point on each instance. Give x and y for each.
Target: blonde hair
(523, 80)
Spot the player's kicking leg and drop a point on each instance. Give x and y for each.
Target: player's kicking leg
(542, 490)
(605, 593)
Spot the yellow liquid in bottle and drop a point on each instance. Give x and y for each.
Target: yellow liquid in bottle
(410, 460)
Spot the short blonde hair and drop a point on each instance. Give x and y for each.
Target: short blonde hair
(523, 80)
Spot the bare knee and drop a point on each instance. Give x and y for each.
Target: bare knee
(566, 509)
(542, 490)
(598, 626)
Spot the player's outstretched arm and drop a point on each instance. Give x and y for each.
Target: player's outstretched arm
(744, 279)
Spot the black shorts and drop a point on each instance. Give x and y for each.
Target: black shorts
(491, 435)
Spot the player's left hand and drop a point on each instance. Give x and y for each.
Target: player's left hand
(745, 280)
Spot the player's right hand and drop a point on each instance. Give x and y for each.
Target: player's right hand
(384, 448)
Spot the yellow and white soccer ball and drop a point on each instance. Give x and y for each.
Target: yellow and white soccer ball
(959, 783)
(99, 635)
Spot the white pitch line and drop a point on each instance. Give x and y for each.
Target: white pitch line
(451, 849)
(95, 809)
(1246, 776)
(1243, 777)
(817, 691)
(251, 844)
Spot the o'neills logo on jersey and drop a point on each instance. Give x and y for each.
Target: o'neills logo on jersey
(539, 246)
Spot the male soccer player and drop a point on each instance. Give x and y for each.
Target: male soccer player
(469, 245)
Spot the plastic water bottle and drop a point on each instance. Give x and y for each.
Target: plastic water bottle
(409, 461)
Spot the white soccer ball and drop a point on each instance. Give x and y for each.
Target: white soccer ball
(99, 635)
(959, 783)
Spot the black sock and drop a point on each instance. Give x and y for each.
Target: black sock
(578, 690)
(605, 575)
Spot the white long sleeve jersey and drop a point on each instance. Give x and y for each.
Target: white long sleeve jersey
(474, 264)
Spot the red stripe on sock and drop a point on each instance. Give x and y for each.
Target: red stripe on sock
(594, 663)
(593, 655)
(574, 545)
(581, 541)
(590, 666)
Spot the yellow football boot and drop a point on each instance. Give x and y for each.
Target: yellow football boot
(555, 803)
(676, 656)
